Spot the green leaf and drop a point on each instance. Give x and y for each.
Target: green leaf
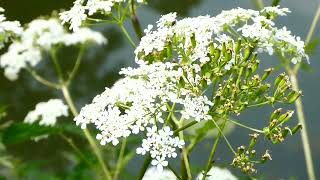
(20, 132)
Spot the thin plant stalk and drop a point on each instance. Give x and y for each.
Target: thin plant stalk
(213, 151)
(186, 169)
(120, 159)
(74, 111)
(299, 106)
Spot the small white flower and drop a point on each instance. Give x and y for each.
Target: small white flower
(159, 162)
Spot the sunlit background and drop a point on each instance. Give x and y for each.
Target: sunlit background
(101, 64)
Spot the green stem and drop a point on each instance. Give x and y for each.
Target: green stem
(120, 159)
(170, 113)
(76, 65)
(213, 151)
(89, 137)
(258, 104)
(244, 126)
(224, 137)
(125, 32)
(304, 132)
(185, 127)
(186, 170)
(313, 25)
(75, 148)
(42, 80)
(144, 167)
(74, 111)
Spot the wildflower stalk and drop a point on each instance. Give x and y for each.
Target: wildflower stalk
(304, 131)
(74, 111)
(292, 72)
(89, 137)
(120, 159)
(125, 32)
(75, 148)
(245, 126)
(42, 80)
(213, 151)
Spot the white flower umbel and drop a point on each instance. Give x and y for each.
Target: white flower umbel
(8, 29)
(140, 100)
(161, 145)
(217, 173)
(153, 173)
(200, 32)
(82, 9)
(42, 35)
(47, 112)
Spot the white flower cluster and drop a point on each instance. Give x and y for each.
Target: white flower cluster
(8, 28)
(140, 100)
(47, 112)
(200, 31)
(41, 35)
(160, 144)
(82, 9)
(217, 173)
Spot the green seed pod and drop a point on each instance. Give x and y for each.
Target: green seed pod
(217, 54)
(275, 114)
(278, 80)
(266, 74)
(255, 66)
(285, 117)
(247, 53)
(212, 49)
(296, 128)
(228, 55)
(293, 96)
(263, 89)
(253, 140)
(238, 47)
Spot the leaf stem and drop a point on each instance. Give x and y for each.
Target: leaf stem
(68, 98)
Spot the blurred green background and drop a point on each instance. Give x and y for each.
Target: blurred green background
(101, 64)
